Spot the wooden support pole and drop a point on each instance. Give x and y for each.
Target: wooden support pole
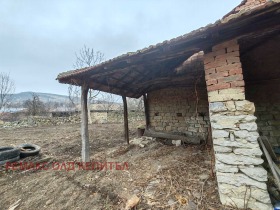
(125, 116)
(147, 115)
(84, 124)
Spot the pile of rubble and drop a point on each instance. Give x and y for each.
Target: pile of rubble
(145, 140)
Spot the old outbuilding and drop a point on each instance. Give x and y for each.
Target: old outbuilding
(217, 84)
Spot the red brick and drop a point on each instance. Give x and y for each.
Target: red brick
(215, 64)
(209, 66)
(218, 87)
(210, 71)
(233, 48)
(224, 45)
(232, 60)
(233, 54)
(221, 57)
(219, 52)
(232, 78)
(208, 59)
(216, 75)
(237, 83)
(211, 82)
(228, 67)
(215, 53)
(235, 71)
(220, 62)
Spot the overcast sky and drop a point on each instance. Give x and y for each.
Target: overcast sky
(39, 38)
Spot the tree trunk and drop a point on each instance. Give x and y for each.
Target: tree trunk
(125, 115)
(84, 124)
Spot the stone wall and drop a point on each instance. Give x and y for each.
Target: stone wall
(234, 131)
(175, 110)
(267, 102)
(97, 117)
(34, 121)
(116, 116)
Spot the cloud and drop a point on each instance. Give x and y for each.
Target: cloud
(39, 38)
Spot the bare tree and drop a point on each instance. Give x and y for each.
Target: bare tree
(35, 106)
(74, 93)
(136, 104)
(7, 88)
(85, 58)
(110, 101)
(88, 57)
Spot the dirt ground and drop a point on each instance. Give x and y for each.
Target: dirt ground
(162, 176)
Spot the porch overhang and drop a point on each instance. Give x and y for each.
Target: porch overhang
(155, 67)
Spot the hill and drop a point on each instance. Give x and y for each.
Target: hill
(45, 97)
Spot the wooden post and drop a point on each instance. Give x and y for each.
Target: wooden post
(125, 116)
(147, 115)
(84, 124)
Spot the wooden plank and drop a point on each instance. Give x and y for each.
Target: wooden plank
(269, 148)
(277, 169)
(270, 162)
(84, 123)
(185, 139)
(146, 107)
(125, 116)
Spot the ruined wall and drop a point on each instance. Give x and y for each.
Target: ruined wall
(267, 102)
(174, 110)
(234, 131)
(116, 116)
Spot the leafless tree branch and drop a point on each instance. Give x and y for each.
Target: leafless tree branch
(7, 88)
(85, 58)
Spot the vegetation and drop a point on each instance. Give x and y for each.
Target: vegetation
(7, 88)
(35, 106)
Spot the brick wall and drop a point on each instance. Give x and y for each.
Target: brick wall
(234, 131)
(267, 103)
(223, 67)
(174, 110)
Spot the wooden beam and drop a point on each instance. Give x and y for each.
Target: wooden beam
(125, 116)
(108, 72)
(185, 139)
(165, 80)
(84, 124)
(147, 114)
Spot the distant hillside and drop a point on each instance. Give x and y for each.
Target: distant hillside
(45, 97)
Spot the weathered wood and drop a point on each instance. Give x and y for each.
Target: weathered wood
(185, 139)
(89, 115)
(165, 80)
(84, 123)
(146, 107)
(270, 162)
(277, 169)
(269, 148)
(125, 116)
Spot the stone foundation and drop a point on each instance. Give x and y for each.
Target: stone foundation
(240, 174)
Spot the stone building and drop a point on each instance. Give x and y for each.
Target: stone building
(220, 82)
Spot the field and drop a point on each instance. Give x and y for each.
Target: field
(162, 176)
